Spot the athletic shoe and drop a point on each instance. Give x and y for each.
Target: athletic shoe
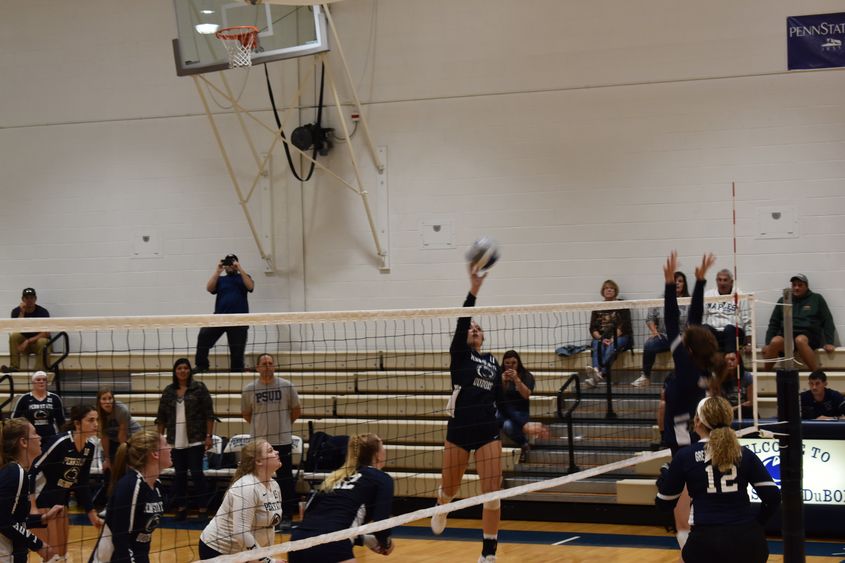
(487, 559)
(438, 523)
(595, 378)
(641, 381)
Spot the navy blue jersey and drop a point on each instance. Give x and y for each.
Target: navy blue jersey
(46, 416)
(231, 295)
(60, 469)
(717, 498)
(15, 538)
(363, 497)
(832, 404)
(687, 387)
(132, 515)
(476, 378)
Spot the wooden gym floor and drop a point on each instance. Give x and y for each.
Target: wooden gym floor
(519, 542)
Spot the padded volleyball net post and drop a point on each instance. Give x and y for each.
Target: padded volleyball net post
(791, 444)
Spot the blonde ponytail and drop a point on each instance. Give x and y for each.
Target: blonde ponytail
(361, 453)
(133, 454)
(716, 414)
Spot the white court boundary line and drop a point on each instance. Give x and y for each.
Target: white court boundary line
(255, 554)
(561, 542)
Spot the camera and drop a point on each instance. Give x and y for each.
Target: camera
(229, 260)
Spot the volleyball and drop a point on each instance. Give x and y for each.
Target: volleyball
(483, 253)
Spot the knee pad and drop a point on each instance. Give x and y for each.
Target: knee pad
(492, 504)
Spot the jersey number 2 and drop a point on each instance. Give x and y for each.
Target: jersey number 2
(727, 482)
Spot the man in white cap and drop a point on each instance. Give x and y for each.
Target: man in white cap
(812, 325)
(27, 342)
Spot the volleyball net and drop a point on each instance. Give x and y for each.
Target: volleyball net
(387, 372)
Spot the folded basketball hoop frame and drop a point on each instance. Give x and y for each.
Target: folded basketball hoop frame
(239, 44)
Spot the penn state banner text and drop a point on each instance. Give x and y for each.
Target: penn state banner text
(815, 41)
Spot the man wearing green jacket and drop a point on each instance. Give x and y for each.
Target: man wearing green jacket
(812, 325)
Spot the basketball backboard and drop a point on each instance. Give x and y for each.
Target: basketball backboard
(285, 31)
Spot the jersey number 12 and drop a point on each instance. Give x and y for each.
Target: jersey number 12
(727, 482)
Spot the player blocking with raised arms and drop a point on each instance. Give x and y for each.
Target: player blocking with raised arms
(696, 355)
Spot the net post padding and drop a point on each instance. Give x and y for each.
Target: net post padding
(239, 41)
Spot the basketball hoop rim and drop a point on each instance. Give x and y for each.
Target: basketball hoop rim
(241, 31)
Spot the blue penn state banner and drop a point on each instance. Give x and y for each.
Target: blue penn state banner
(815, 41)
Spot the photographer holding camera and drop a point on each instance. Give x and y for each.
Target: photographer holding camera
(230, 283)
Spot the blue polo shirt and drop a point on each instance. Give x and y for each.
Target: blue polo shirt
(231, 295)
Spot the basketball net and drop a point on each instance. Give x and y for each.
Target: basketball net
(239, 41)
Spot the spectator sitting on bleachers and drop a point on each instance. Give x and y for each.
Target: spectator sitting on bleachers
(512, 409)
(821, 403)
(812, 325)
(612, 333)
(720, 318)
(27, 342)
(41, 407)
(728, 387)
(657, 341)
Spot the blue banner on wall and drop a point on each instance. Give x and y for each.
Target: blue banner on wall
(815, 41)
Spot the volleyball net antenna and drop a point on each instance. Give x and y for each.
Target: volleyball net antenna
(387, 372)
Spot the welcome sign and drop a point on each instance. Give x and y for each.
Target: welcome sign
(824, 468)
(815, 41)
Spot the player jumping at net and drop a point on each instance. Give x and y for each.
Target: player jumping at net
(136, 502)
(472, 426)
(697, 358)
(357, 493)
(717, 472)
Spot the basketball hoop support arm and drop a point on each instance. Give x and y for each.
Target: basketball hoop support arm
(261, 163)
(268, 259)
(363, 120)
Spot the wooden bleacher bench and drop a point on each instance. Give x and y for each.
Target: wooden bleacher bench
(376, 360)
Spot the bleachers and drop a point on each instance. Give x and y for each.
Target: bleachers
(403, 397)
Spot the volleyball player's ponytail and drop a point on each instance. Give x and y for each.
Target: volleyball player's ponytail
(361, 452)
(133, 454)
(716, 414)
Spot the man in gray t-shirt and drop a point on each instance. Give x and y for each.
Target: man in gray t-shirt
(271, 405)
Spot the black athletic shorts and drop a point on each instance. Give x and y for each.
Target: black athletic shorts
(734, 543)
(326, 553)
(471, 435)
(206, 552)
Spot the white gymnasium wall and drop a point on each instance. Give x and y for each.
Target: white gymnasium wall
(588, 138)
